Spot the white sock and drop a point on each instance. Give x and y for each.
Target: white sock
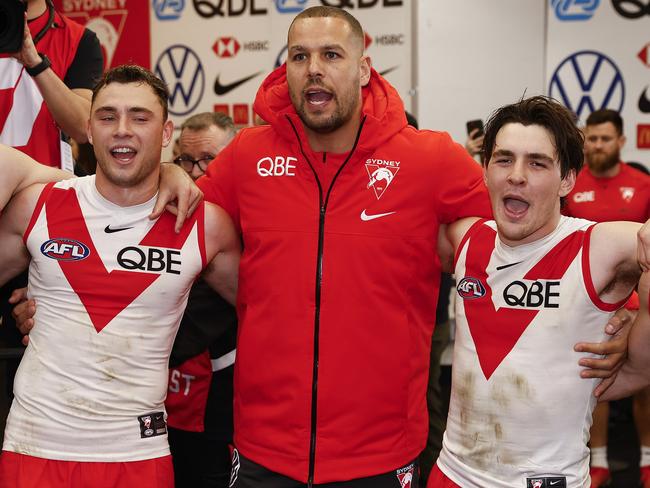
(645, 456)
(599, 457)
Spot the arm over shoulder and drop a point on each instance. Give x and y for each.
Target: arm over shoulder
(223, 249)
(14, 257)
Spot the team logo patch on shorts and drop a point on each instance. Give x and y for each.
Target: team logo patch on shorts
(234, 472)
(546, 482)
(152, 424)
(405, 475)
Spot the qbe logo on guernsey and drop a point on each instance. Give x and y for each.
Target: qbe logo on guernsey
(586, 81)
(180, 68)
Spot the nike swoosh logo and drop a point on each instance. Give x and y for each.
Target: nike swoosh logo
(365, 217)
(220, 89)
(555, 482)
(499, 268)
(644, 103)
(108, 229)
(388, 70)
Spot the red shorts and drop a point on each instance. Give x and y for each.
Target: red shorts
(22, 471)
(438, 479)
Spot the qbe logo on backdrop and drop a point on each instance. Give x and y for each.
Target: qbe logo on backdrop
(569, 10)
(588, 80)
(168, 9)
(181, 69)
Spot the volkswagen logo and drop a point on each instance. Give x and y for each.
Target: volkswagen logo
(588, 81)
(180, 68)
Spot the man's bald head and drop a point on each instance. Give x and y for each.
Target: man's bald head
(356, 31)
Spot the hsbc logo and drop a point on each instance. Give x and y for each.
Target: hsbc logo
(644, 55)
(389, 40)
(228, 47)
(180, 68)
(586, 81)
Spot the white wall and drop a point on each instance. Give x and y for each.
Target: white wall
(474, 56)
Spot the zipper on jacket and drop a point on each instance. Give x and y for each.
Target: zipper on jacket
(317, 295)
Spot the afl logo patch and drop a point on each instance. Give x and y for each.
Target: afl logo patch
(470, 288)
(63, 249)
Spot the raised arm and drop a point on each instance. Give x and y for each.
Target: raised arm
(14, 257)
(223, 248)
(20, 171)
(613, 259)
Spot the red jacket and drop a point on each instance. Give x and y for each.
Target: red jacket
(338, 287)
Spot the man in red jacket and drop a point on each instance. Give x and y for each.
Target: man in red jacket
(339, 204)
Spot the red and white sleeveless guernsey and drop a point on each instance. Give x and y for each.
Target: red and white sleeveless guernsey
(519, 411)
(110, 287)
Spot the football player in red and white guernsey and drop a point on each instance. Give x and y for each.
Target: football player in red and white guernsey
(531, 284)
(111, 285)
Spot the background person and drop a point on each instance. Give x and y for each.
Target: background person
(200, 394)
(607, 190)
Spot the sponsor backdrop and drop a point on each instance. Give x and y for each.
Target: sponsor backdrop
(122, 26)
(598, 56)
(214, 54)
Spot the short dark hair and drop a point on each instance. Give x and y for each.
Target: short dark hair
(605, 115)
(545, 112)
(131, 73)
(339, 13)
(205, 120)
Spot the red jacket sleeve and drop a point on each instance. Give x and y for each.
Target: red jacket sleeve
(219, 182)
(459, 184)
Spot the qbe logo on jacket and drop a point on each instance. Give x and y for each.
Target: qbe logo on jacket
(277, 166)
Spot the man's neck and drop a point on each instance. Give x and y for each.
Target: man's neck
(608, 173)
(339, 141)
(35, 8)
(127, 196)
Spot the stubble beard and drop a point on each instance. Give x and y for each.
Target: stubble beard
(601, 162)
(345, 109)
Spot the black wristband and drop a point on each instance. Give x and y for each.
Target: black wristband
(40, 67)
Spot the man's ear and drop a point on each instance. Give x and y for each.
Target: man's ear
(89, 133)
(168, 132)
(567, 183)
(366, 68)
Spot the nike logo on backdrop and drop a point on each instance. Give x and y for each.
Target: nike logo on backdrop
(220, 89)
(108, 229)
(365, 217)
(644, 102)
